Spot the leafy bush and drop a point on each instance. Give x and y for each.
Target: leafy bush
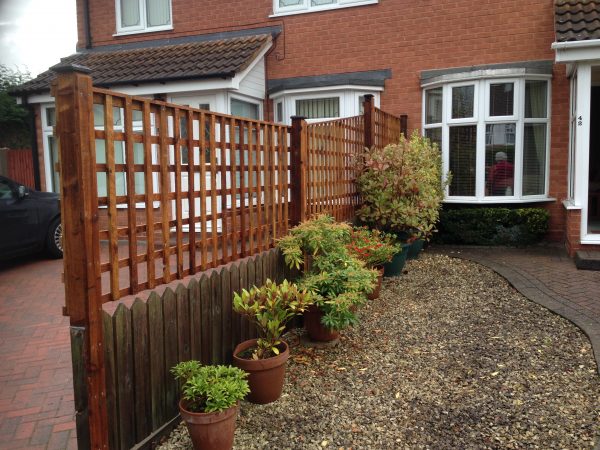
(401, 187)
(373, 247)
(337, 281)
(208, 389)
(271, 307)
(493, 226)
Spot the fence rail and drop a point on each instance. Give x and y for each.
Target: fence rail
(154, 192)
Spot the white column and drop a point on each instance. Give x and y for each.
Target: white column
(582, 151)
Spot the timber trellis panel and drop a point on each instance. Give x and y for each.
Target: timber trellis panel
(333, 148)
(214, 189)
(155, 193)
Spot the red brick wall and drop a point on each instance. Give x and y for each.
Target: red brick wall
(405, 36)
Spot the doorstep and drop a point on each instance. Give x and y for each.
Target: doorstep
(587, 260)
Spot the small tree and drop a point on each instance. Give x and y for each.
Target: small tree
(14, 122)
(401, 186)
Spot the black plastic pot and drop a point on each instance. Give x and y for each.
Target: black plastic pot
(396, 265)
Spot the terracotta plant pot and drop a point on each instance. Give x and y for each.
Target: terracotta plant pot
(375, 294)
(266, 376)
(210, 431)
(315, 329)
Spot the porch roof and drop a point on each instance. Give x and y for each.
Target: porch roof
(218, 58)
(576, 20)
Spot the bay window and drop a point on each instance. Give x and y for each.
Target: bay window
(135, 16)
(494, 138)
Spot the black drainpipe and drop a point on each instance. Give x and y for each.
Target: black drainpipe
(87, 24)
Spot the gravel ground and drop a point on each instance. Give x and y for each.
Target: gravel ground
(450, 357)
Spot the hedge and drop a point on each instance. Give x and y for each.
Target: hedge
(492, 226)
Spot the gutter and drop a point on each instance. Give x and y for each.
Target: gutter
(575, 44)
(87, 24)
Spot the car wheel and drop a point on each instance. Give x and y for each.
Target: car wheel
(54, 240)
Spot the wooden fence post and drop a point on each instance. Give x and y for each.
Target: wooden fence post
(298, 168)
(369, 113)
(79, 208)
(404, 125)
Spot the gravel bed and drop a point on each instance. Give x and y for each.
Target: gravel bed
(450, 357)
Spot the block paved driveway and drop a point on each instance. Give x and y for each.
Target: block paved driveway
(36, 393)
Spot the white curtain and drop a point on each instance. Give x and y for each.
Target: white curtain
(130, 13)
(158, 12)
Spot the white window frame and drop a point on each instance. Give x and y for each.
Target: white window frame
(47, 131)
(306, 7)
(246, 99)
(481, 119)
(143, 27)
(348, 95)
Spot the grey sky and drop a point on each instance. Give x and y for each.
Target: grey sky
(35, 34)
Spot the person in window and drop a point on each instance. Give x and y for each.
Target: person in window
(501, 175)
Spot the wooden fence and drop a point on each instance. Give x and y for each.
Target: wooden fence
(197, 190)
(18, 165)
(187, 319)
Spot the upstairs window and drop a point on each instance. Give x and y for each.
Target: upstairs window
(136, 16)
(300, 6)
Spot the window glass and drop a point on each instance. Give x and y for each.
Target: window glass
(322, 2)
(318, 108)
(534, 159)
(241, 108)
(463, 157)
(158, 12)
(463, 98)
(130, 13)
(285, 3)
(502, 97)
(500, 159)
(536, 98)
(53, 147)
(279, 112)
(435, 136)
(433, 105)
(50, 117)
(5, 191)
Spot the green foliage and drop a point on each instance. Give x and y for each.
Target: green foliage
(208, 389)
(493, 226)
(373, 247)
(401, 187)
(14, 123)
(338, 281)
(321, 235)
(271, 307)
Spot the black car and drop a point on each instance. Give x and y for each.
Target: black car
(29, 221)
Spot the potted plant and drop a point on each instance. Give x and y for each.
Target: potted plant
(270, 308)
(209, 402)
(338, 281)
(375, 249)
(402, 188)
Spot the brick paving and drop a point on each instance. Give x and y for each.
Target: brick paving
(36, 393)
(546, 275)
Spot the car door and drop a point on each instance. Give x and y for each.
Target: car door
(19, 220)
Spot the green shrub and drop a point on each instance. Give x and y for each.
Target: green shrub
(492, 226)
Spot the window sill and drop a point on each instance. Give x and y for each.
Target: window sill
(145, 30)
(569, 205)
(494, 201)
(325, 8)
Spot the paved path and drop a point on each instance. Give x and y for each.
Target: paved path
(546, 275)
(36, 394)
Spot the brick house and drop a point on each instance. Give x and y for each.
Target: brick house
(501, 82)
